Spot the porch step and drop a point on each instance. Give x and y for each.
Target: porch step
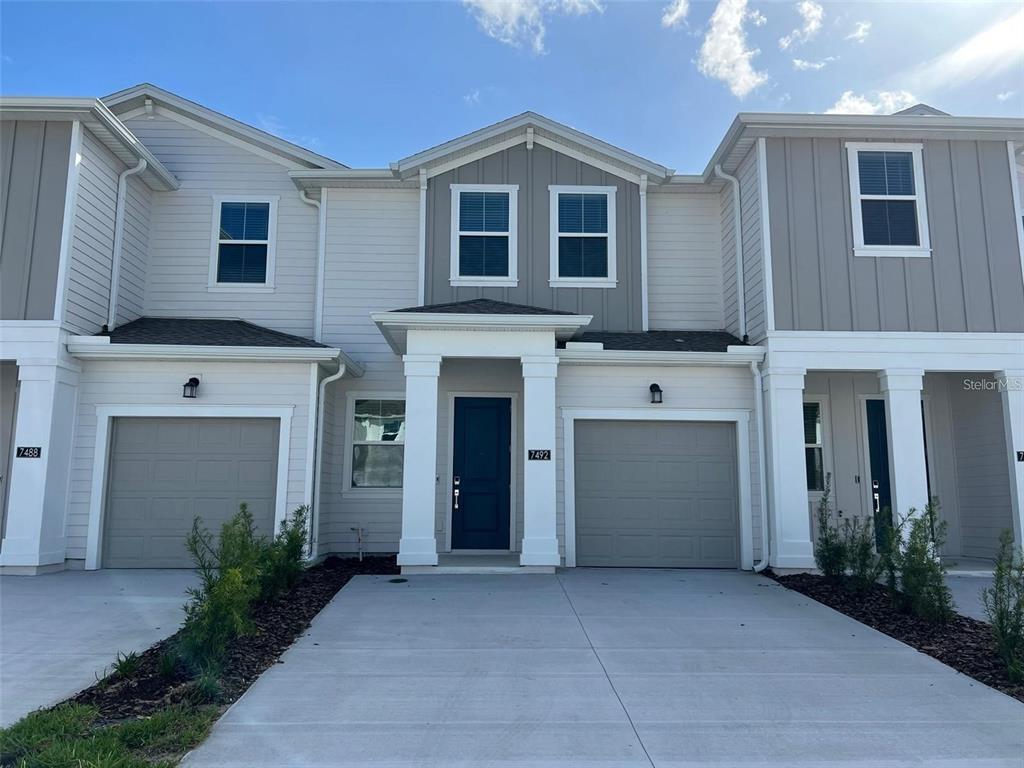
(477, 564)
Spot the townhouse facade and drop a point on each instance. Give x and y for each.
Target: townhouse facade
(522, 349)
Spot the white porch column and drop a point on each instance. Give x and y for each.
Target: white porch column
(38, 491)
(540, 537)
(418, 545)
(1012, 393)
(908, 473)
(791, 519)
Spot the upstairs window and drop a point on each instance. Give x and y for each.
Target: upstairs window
(484, 223)
(582, 237)
(887, 193)
(243, 248)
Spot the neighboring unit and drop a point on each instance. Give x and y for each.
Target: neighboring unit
(521, 349)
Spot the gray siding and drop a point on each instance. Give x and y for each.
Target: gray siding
(33, 180)
(533, 170)
(972, 282)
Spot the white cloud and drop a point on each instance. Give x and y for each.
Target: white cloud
(675, 13)
(860, 32)
(884, 103)
(522, 22)
(757, 18)
(724, 54)
(272, 124)
(1005, 95)
(994, 50)
(813, 16)
(473, 97)
(804, 65)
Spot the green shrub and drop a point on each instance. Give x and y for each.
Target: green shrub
(284, 558)
(1004, 606)
(922, 574)
(829, 549)
(38, 730)
(126, 664)
(168, 664)
(864, 563)
(206, 688)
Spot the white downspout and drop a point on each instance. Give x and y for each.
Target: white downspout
(314, 517)
(761, 442)
(115, 255)
(737, 225)
(321, 253)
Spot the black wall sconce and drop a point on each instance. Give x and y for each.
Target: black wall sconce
(655, 393)
(190, 388)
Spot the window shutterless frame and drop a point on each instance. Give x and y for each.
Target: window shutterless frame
(349, 490)
(923, 248)
(215, 242)
(512, 278)
(554, 279)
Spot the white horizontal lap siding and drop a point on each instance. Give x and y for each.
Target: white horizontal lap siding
(619, 387)
(182, 225)
(159, 383)
(131, 295)
(730, 308)
(371, 266)
(684, 263)
(92, 238)
(753, 257)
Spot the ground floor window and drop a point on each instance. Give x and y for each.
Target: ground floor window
(378, 437)
(813, 447)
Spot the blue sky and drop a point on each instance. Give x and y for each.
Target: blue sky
(368, 83)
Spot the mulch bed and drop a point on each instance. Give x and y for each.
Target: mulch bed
(963, 643)
(277, 625)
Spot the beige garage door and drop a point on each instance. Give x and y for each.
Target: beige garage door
(164, 472)
(656, 494)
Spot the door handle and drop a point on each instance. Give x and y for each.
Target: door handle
(456, 498)
(876, 496)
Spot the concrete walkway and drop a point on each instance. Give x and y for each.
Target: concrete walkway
(605, 668)
(967, 594)
(59, 630)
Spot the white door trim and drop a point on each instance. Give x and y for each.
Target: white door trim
(105, 414)
(740, 417)
(513, 398)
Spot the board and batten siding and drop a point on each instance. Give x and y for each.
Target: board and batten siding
(971, 282)
(181, 230)
(34, 159)
(131, 292)
(159, 383)
(708, 388)
(534, 170)
(684, 264)
(753, 258)
(371, 266)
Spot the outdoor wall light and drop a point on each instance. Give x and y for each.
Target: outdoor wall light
(655, 393)
(190, 388)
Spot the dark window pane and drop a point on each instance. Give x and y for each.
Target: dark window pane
(595, 213)
(244, 221)
(815, 469)
(570, 213)
(595, 257)
(812, 423)
(582, 212)
(871, 166)
(483, 211)
(242, 263)
(380, 420)
(582, 257)
(483, 256)
(886, 173)
(377, 466)
(889, 222)
(496, 211)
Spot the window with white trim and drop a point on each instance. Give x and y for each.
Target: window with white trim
(887, 194)
(582, 236)
(242, 257)
(484, 225)
(814, 446)
(378, 443)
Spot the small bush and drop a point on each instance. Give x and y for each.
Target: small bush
(206, 688)
(126, 664)
(922, 574)
(167, 664)
(1004, 606)
(829, 549)
(284, 557)
(864, 563)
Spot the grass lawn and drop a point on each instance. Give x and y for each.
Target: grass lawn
(73, 736)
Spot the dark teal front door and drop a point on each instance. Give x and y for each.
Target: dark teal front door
(481, 473)
(878, 457)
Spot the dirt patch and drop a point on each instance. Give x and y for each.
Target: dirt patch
(153, 686)
(963, 643)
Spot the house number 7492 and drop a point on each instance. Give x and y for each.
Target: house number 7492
(538, 455)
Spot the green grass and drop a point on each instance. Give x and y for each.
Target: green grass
(68, 736)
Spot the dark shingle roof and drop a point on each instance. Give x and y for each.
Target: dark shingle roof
(484, 307)
(662, 341)
(203, 332)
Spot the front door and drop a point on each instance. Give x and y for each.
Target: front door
(481, 473)
(878, 456)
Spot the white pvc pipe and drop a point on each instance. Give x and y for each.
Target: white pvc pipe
(321, 252)
(314, 516)
(115, 254)
(761, 442)
(737, 226)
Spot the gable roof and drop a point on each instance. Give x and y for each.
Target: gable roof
(145, 94)
(922, 109)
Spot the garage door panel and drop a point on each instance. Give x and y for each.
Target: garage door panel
(656, 494)
(164, 472)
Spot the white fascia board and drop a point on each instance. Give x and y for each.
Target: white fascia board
(375, 178)
(736, 355)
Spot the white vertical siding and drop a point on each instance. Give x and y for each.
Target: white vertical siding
(131, 292)
(684, 262)
(181, 226)
(92, 239)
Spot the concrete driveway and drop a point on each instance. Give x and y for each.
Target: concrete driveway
(606, 668)
(59, 630)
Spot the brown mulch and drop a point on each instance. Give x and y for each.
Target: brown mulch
(277, 624)
(963, 643)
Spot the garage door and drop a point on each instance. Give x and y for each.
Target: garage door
(164, 472)
(656, 494)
